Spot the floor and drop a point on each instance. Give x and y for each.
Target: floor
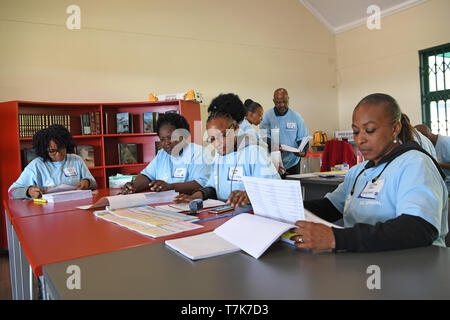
(5, 280)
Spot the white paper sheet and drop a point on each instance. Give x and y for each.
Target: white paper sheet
(302, 145)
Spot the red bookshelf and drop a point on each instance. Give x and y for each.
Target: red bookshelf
(105, 144)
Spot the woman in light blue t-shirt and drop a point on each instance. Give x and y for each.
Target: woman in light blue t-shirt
(179, 165)
(54, 165)
(235, 156)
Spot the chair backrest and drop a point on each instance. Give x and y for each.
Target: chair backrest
(337, 152)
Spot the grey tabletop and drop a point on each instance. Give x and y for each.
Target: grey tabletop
(282, 272)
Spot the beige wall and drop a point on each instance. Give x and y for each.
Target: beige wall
(127, 49)
(387, 60)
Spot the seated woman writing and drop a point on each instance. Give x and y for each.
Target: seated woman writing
(396, 199)
(179, 165)
(233, 160)
(55, 165)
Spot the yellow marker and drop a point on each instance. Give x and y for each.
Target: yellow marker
(39, 200)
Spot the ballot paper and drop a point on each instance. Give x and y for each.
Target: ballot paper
(60, 188)
(132, 200)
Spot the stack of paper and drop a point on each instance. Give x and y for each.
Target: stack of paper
(180, 207)
(67, 195)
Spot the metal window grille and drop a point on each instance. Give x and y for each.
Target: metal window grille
(435, 88)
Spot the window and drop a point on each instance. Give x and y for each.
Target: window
(435, 88)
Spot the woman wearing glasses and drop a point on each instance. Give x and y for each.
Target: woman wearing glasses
(235, 156)
(396, 199)
(55, 165)
(179, 165)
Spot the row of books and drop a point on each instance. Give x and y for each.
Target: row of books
(128, 123)
(90, 123)
(128, 153)
(29, 124)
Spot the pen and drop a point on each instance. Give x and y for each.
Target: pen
(39, 200)
(222, 216)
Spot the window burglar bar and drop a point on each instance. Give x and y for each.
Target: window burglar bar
(435, 88)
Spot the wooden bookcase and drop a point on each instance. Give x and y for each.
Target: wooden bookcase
(105, 144)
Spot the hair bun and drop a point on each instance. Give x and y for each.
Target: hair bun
(248, 102)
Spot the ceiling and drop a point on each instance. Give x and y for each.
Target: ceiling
(342, 15)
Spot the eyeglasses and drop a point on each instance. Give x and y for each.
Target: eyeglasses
(223, 135)
(54, 151)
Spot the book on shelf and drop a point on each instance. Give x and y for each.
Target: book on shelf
(124, 122)
(67, 196)
(29, 124)
(90, 123)
(128, 153)
(173, 111)
(148, 122)
(86, 152)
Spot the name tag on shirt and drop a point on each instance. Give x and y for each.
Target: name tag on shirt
(291, 125)
(372, 189)
(179, 173)
(70, 172)
(235, 174)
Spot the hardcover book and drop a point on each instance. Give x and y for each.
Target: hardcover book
(87, 154)
(148, 122)
(128, 153)
(28, 156)
(124, 123)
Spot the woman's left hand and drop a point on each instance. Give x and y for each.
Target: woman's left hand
(314, 236)
(83, 184)
(238, 198)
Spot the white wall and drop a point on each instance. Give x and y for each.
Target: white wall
(127, 49)
(387, 60)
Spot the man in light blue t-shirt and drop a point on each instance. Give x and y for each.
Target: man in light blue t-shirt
(282, 125)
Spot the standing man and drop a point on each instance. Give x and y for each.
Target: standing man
(442, 146)
(283, 125)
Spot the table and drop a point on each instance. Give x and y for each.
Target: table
(316, 187)
(282, 272)
(40, 236)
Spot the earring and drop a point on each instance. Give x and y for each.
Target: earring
(395, 140)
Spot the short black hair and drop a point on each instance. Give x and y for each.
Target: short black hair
(227, 105)
(173, 119)
(59, 134)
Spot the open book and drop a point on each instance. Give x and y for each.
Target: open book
(277, 205)
(300, 148)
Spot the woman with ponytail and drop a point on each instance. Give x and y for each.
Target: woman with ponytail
(396, 199)
(235, 156)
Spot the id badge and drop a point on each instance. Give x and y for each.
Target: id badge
(179, 173)
(371, 189)
(235, 174)
(70, 172)
(291, 125)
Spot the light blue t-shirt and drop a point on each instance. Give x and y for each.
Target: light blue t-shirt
(227, 171)
(251, 135)
(292, 129)
(443, 155)
(51, 174)
(411, 184)
(193, 164)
